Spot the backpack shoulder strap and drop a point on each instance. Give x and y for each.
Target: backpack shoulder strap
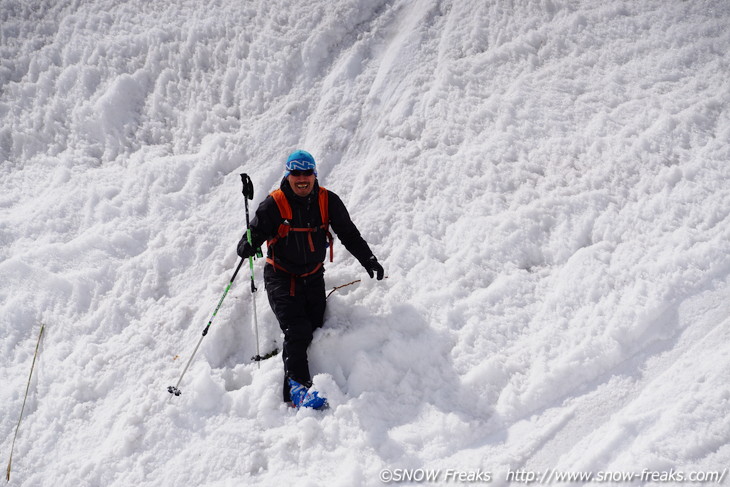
(324, 207)
(283, 204)
(324, 210)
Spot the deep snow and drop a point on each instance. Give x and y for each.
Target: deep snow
(546, 183)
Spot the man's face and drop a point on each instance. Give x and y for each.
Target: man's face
(301, 182)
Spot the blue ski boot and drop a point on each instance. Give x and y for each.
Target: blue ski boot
(304, 397)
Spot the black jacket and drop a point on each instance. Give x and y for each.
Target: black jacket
(293, 252)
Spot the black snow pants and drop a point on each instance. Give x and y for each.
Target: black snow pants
(298, 315)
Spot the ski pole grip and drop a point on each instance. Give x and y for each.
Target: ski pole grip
(247, 186)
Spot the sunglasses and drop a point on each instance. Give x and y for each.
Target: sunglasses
(298, 172)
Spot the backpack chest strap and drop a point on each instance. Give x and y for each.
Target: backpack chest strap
(286, 213)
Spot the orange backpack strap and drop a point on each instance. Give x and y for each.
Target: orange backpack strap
(286, 213)
(282, 203)
(324, 207)
(293, 280)
(324, 211)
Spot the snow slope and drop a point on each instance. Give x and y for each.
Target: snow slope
(546, 183)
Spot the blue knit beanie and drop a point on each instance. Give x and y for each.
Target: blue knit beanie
(300, 160)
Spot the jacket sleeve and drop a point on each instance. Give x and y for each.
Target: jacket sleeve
(346, 230)
(264, 224)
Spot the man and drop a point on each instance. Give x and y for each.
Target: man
(295, 221)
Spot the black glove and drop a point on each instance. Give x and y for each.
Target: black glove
(245, 249)
(373, 266)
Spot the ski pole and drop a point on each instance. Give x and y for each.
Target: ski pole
(27, 388)
(175, 389)
(248, 195)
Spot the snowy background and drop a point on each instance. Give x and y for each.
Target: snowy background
(547, 184)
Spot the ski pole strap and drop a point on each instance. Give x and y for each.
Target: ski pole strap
(250, 259)
(253, 283)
